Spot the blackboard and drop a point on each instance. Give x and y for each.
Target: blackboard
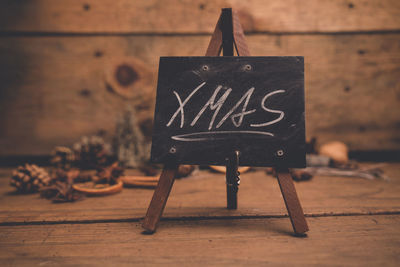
(209, 107)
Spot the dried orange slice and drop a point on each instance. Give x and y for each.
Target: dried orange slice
(91, 189)
(140, 181)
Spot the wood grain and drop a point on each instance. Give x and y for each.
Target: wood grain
(204, 195)
(189, 16)
(56, 89)
(160, 198)
(292, 201)
(358, 238)
(338, 241)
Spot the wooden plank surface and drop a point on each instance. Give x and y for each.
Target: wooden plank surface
(174, 16)
(204, 196)
(55, 89)
(333, 241)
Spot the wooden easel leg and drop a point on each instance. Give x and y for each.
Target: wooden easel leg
(292, 202)
(159, 199)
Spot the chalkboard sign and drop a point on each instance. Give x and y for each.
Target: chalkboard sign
(209, 107)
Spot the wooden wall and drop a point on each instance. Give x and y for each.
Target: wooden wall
(69, 67)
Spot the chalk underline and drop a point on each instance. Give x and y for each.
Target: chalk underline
(195, 137)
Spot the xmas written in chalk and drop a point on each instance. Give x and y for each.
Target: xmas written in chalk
(236, 114)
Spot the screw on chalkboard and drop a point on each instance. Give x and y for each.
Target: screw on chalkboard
(279, 153)
(247, 67)
(205, 68)
(172, 150)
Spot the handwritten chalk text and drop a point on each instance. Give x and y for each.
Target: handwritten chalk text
(236, 114)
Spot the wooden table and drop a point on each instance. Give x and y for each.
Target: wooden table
(352, 222)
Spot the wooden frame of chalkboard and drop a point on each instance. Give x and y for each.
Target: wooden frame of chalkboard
(228, 34)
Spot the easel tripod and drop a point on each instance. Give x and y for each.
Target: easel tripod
(228, 34)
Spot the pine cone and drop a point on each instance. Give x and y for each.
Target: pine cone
(29, 178)
(92, 152)
(60, 188)
(60, 192)
(62, 157)
(69, 176)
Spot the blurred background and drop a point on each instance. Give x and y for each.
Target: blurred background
(71, 68)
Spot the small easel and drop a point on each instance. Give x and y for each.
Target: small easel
(228, 34)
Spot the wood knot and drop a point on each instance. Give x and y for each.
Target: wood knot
(361, 52)
(126, 75)
(129, 78)
(98, 53)
(85, 92)
(86, 7)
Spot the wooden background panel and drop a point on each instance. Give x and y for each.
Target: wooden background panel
(55, 89)
(190, 16)
(352, 85)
